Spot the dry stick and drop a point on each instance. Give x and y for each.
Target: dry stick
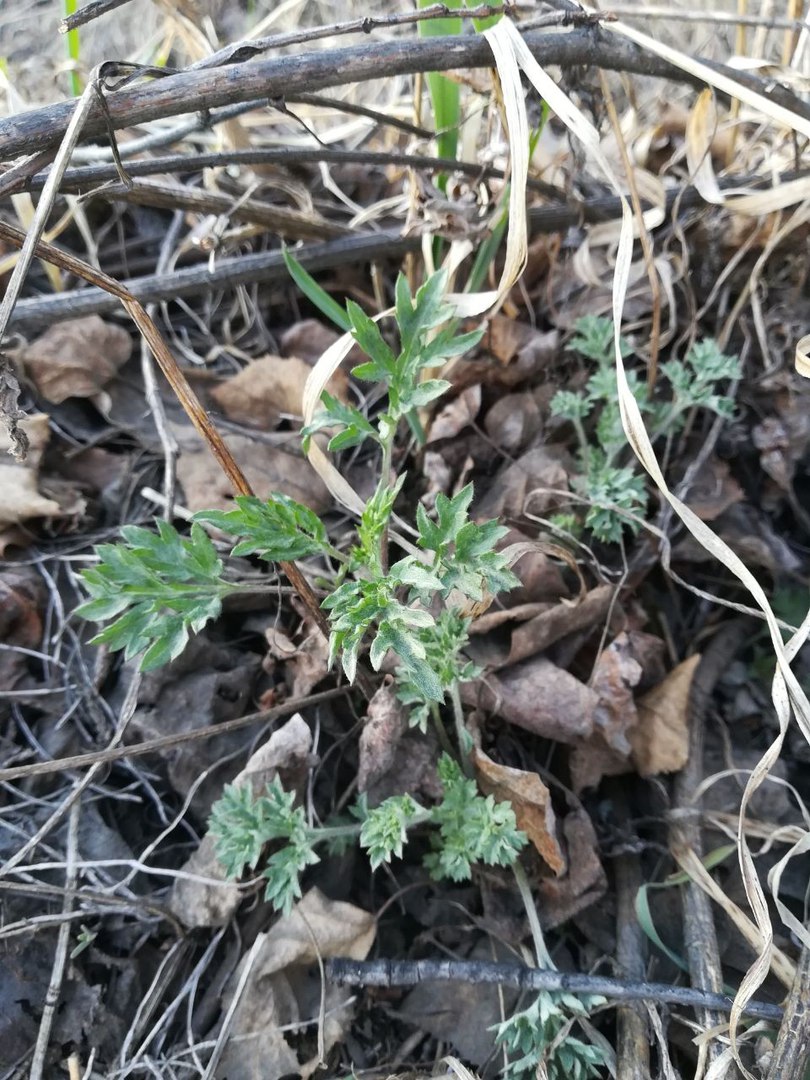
(247, 269)
(85, 175)
(633, 1030)
(699, 932)
(268, 266)
(167, 742)
(280, 219)
(88, 12)
(17, 177)
(352, 108)
(240, 51)
(137, 904)
(150, 383)
(190, 91)
(60, 956)
(412, 972)
(791, 1055)
(721, 17)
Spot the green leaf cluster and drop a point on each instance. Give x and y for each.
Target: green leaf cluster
(242, 826)
(469, 829)
(529, 1038)
(278, 530)
(607, 479)
(472, 828)
(464, 555)
(424, 342)
(444, 644)
(157, 587)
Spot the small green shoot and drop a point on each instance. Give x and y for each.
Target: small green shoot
(314, 293)
(73, 50)
(610, 484)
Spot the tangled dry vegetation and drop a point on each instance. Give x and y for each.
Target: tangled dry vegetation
(469, 735)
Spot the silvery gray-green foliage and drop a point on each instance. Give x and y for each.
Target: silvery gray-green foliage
(537, 1045)
(609, 485)
(468, 829)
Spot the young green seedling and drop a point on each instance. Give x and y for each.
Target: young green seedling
(613, 488)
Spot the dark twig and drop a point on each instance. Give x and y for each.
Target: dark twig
(699, 932)
(791, 1055)
(632, 1025)
(87, 175)
(280, 219)
(190, 91)
(411, 972)
(227, 273)
(240, 51)
(88, 13)
(167, 742)
(268, 266)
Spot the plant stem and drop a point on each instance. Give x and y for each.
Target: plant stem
(462, 734)
(541, 952)
(441, 730)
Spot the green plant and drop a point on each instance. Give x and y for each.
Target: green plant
(538, 1043)
(614, 491)
(468, 829)
(159, 587)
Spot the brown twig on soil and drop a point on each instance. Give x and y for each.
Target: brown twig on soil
(791, 1055)
(151, 746)
(632, 1027)
(89, 12)
(280, 219)
(85, 175)
(261, 266)
(190, 91)
(61, 953)
(268, 266)
(699, 932)
(411, 972)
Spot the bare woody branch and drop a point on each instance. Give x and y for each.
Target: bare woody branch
(191, 91)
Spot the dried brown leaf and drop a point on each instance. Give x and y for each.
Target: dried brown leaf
(76, 357)
(660, 740)
(283, 988)
(267, 469)
(453, 417)
(584, 883)
(540, 472)
(308, 661)
(513, 421)
(19, 479)
(531, 802)
(386, 723)
(538, 696)
(714, 490)
(269, 387)
(542, 631)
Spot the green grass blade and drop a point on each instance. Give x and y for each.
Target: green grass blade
(444, 93)
(73, 50)
(313, 291)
